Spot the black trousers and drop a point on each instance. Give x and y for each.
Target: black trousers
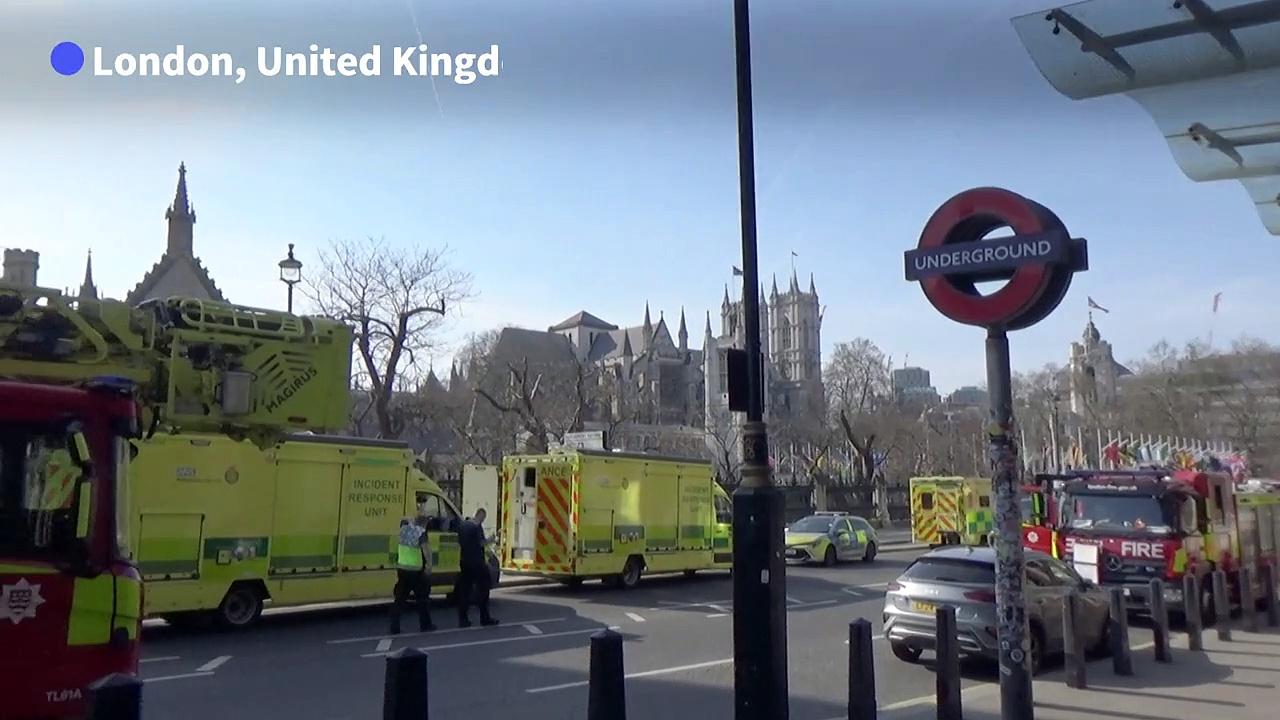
(472, 586)
(419, 585)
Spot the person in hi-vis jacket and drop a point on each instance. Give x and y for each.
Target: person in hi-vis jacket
(413, 573)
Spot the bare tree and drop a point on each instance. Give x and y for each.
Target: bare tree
(724, 441)
(547, 400)
(860, 389)
(396, 299)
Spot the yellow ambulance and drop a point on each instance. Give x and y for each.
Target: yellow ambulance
(951, 510)
(571, 515)
(224, 529)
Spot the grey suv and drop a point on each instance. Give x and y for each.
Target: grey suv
(964, 577)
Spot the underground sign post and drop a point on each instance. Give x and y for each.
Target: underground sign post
(1037, 261)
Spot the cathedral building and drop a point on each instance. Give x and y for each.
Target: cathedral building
(790, 341)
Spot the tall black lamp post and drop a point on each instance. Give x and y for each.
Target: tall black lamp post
(290, 273)
(759, 570)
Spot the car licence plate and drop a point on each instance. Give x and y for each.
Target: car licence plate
(923, 607)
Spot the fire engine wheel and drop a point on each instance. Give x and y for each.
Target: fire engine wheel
(1208, 613)
(240, 608)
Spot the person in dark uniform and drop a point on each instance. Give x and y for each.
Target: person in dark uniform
(413, 574)
(473, 579)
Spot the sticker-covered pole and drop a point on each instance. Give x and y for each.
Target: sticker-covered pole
(1011, 621)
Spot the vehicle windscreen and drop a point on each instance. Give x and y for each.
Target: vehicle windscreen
(946, 570)
(812, 524)
(39, 505)
(1083, 511)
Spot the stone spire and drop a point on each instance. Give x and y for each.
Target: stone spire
(813, 289)
(181, 217)
(774, 293)
(795, 284)
(707, 332)
(648, 324)
(683, 334)
(725, 303)
(88, 291)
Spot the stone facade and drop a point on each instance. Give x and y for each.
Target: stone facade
(1093, 373)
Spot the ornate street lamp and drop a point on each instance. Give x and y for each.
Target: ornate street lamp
(290, 273)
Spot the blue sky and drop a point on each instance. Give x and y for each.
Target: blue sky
(599, 170)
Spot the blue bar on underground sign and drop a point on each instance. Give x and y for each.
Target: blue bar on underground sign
(988, 257)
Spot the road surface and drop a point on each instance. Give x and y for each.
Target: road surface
(328, 664)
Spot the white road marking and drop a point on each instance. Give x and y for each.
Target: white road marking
(646, 673)
(718, 608)
(165, 658)
(666, 605)
(163, 678)
(635, 617)
(874, 638)
(812, 604)
(214, 664)
(928, 699)
(533, 629)
(493, 641)
(384, 645)
(345, 641)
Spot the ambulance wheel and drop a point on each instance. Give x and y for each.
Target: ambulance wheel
(631, 572)
(240, 608)
(829, 557)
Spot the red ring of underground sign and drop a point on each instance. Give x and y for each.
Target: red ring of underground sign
(1033, 290)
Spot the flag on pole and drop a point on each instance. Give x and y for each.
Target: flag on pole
(1217, 298)
(737, 272)
(1095, 306)
(794, 254)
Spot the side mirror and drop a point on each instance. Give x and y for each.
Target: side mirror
(78, 447)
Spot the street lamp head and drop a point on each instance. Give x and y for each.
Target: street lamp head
(290, 269)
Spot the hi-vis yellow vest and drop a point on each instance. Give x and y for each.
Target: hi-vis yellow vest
(409, 557)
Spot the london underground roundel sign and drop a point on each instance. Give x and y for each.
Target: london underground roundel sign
(1037, 261)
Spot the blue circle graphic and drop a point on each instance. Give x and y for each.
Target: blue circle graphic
(67, 58)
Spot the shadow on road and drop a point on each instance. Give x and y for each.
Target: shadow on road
(810, 587)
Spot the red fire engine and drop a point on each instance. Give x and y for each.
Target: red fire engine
(1153, 523)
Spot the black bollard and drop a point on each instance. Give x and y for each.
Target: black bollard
(1118, 634)
(115, 697)
(948, 665)
(1192, 612)
(1269, 594)
(862, 672)
(1073, 653)
(607, 699)
(404, 688)
(1160, 621)
(1221, 605)
(1248, 605)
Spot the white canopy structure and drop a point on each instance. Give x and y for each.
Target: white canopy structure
(1207, 71)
